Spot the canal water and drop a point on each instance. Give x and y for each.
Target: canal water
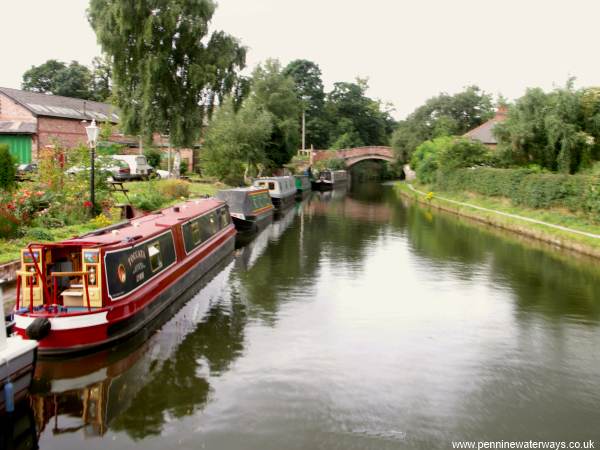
(356, 321)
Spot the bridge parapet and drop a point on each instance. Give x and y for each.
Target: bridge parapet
(354, 155)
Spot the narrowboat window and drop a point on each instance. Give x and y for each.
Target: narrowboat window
(195, 232)
(155, 258)
(224, 218)
(271, 186)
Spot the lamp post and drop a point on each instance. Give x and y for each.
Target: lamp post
(92, 133)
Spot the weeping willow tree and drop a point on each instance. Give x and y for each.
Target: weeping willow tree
(168, 69)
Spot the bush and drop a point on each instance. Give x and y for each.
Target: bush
(528, 187)
(7, 169)
(39, 234)
(172, 189)
(9, 224)
(148, 201)
(153, 156)
(424, 160)
(462, 153)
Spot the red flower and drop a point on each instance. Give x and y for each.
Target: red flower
(10, 206)
(87, 204)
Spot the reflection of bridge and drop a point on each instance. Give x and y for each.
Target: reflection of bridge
(354, 155)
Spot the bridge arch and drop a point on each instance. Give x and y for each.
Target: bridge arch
(354, 155)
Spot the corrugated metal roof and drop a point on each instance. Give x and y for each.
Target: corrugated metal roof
(17, 127)
(65, 107)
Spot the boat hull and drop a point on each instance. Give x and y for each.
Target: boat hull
(322, 185)
(282, 203)
(18, 367)
(126, 318)
(253, 223)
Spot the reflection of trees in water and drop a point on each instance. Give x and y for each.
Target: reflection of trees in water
(176, 388)
(331, 228)
(541, 277)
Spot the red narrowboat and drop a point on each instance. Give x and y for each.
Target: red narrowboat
(92, 290)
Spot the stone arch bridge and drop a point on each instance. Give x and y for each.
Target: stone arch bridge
(353, 155)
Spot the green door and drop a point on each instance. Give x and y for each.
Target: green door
(19, 146)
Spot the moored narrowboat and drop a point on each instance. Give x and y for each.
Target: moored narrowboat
(330, 179)
(250, 207)
(281, 189)
(89, 291)
(303, 186)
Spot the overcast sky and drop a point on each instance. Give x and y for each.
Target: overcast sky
(409, 50)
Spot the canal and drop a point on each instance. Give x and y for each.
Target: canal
(356, 321)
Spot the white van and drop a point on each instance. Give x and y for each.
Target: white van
(138, 165)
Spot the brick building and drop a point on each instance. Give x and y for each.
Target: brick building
(29, 121)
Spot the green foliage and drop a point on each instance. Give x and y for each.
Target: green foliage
(347, 140)
(7, 169)
(174, 189)
(73, 80)
(309, 89)
(331, 164)
(275, 93)
(153, 156)
(443, 115)
(236, 142)
(424, 160)
(559, 130)
(39, 234)
(462, 153)
(9, 224)
(148, 200)
(168, 70)
(529, 188)
(362, 119)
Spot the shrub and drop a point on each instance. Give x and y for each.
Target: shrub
(39, 234)
(9, 224)
(172, 189)
(528, 187)
(101, 221)
(7, 169)
(424, 160)
(153, 156)
(462, 153)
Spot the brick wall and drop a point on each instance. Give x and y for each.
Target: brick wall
(11, 110)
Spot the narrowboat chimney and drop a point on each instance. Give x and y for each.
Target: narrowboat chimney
(176, 208)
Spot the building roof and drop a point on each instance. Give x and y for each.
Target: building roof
(16, 127)
(484, 132)
(63, 107)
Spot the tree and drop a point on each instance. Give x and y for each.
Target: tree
(168, 70)
(235, 142)
(557, 130)
(443, 115)
(275, 93)
(101, 78)
(55, 77)
(361, 118)
(73, 80)
(7, 169)
(309, 89)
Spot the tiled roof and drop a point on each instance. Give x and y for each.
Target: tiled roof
(65, 107)
(16, 127)
(484, 132)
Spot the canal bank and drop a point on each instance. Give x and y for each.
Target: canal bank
(580, 241)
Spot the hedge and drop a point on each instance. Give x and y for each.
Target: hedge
(578, 193)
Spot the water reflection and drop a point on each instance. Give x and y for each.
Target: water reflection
(355, 320)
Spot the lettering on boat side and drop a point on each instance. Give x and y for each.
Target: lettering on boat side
(129, 269)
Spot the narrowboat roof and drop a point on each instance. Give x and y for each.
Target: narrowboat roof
(244, 189)
(147, 225)
(287, 177)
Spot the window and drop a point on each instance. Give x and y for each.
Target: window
(271, 185)
(155, 258)
(224, 218)
(195, 232)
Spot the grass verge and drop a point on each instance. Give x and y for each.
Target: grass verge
(580, 243)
